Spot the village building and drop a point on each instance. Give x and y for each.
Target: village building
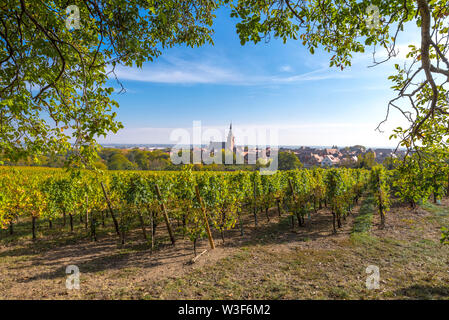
(228, 145)
(330, 161)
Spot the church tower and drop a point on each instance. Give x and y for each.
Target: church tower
(230, 143)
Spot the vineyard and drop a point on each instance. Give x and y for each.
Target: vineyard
(114, 207)
(201, 201)
(118, 223)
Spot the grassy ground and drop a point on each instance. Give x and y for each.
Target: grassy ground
(415, 267)
(272, 261)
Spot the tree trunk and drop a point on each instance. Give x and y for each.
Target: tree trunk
(266, 213)
(11, 228)
(426, 42)
(64, 218)
(50, 224)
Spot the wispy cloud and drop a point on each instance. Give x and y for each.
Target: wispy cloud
(317, 75)
(179, 71)
(286, 68)
(381, 54)
(362, 88)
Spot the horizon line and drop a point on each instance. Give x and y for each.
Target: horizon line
(279, 146)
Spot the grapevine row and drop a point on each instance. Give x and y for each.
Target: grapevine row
(199, 200)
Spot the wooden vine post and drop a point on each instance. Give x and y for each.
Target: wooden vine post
(206, 223)
(164, 211)
(292, 190)
(110, 209)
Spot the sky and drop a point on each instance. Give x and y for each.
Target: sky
(279, 90)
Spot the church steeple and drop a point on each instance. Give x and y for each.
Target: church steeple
(231, 140)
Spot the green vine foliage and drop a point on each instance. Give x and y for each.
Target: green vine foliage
(226, 196)
(410, 182)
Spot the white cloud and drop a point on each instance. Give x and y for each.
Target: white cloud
(401, 50)
(286, 68)
(317, 75)
(187, 73)
(178, 71)
(363, 88)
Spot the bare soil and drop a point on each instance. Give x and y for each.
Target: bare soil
(272, 261)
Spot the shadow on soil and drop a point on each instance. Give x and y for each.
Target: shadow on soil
(107, 254)
(424, 292)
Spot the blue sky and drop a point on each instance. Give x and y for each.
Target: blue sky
(270, 85)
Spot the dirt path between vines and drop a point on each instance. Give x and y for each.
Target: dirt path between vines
(237, 268)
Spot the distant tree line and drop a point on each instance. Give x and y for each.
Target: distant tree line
(136, 159)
